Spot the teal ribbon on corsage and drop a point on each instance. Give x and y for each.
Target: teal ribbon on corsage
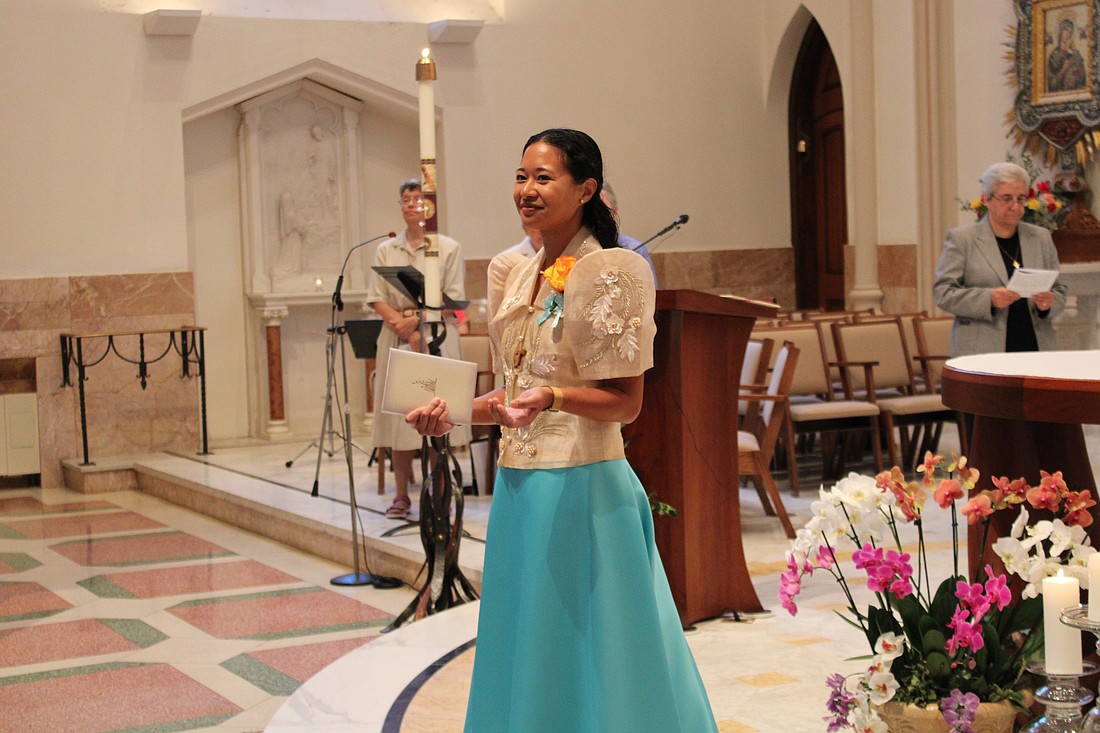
(552, 306)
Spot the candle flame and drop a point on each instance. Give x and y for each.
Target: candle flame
(426, 53)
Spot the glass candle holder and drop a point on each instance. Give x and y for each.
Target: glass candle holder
(1064, 696)
(1078, 617)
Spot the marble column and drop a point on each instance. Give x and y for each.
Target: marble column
(859, 116)
(273, 317)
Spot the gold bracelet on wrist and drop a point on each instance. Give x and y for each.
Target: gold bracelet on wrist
(555, 404)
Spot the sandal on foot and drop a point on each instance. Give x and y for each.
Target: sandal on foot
(399, 509)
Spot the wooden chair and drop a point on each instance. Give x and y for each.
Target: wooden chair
(815, 409)
(874, 359)
(908, 327)
(754, 370)
(757, 439)
(933, 337)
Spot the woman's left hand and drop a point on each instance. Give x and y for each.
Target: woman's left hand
(1043, 301)
(521, 411)
(433, 419)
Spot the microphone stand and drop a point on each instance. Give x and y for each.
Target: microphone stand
(327, 423)
(335, 335)
(336, 331)
(680, 221)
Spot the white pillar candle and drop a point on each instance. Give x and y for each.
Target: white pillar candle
(1062, 642)
(433, 289)
(1094, 586)
(426, 89)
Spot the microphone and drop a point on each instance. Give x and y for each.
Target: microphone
(336, 300)
(680, 221)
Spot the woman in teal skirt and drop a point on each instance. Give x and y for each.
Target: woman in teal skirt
(577, 631)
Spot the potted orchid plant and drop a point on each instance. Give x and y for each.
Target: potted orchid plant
(945, 648)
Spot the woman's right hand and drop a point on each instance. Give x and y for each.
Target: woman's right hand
(433, 419)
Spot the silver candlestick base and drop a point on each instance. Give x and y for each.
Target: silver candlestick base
(1078, 617)
(1064, 697)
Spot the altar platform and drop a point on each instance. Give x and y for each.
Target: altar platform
(252, 488)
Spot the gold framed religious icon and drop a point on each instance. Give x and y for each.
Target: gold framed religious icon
(1056, 69)
(1062, 40)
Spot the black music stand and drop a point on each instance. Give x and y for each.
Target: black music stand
(410, 282)
(444, 585)
(363, 336)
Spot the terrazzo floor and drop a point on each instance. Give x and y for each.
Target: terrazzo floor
(121, 612)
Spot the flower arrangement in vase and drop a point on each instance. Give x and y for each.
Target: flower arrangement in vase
(1045, 207)
(958, 643)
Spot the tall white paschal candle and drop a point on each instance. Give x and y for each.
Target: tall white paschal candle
(1062, 642)
(433, 289)
(1094, 587)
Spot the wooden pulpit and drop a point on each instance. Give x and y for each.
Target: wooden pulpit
(683, 446)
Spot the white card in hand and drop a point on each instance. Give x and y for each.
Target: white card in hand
(1025, 282)
(413, 379)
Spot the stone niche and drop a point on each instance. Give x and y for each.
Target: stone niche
(299, 157)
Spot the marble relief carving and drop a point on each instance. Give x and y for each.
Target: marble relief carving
(299, 185)
(300, 196)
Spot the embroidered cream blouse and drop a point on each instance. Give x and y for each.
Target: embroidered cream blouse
(605, 331)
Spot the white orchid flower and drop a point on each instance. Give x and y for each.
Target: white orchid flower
(1061, 538)
(889, 647)
(882, 686)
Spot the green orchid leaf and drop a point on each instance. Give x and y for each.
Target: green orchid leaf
(939, 665)
(933, 641)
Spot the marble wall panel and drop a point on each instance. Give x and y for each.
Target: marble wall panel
(124, 419)
(126, 296)
(30, 343)
(34, 315)
(121, 417)
(34, 290)
(127, 324)
(33, 305)
(55, 419)
(897, 273)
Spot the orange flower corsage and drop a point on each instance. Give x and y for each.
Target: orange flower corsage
(556, 275)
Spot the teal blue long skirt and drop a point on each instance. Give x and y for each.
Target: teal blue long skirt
(577, 631)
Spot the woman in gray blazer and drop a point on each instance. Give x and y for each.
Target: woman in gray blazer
(977, 262)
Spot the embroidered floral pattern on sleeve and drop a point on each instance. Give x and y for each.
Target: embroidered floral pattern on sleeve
(615, 314)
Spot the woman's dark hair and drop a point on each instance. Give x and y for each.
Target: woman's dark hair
(583, 160)
(410, 184)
